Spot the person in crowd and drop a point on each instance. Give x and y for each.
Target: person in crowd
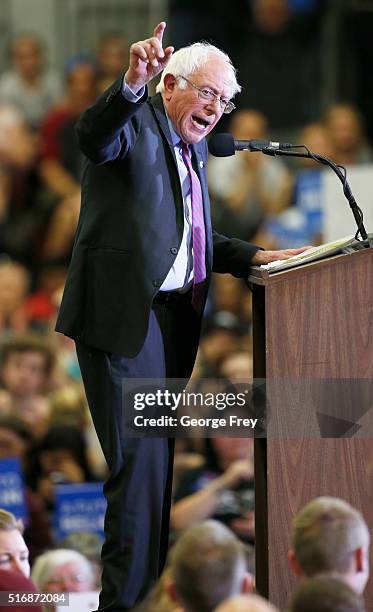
(129, 300)
(325, 593)
(230, 294)
(28, 84)
(17, 584)
(278, 62)
(15, 441)
(207, 565)
(112, 55)
(60, 458)
(246, 603)
(162, 598)
(14, 554)
(303, 221)
(60, 163)
(22, 216)
(248, 186)
(63, 571)
(27, 363)
(89, 545)
(221, 336)
(329, 535)
(41, 303)
(221, 489)
(347, 135)
(14, 286)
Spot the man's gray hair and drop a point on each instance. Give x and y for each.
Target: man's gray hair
(326, 532)
(187, 60)
(207, 566)
(45, 565)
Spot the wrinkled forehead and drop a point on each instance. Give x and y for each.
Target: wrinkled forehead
(216, 72)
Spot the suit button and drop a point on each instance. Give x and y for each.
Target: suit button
(174, 250)
(157, 282)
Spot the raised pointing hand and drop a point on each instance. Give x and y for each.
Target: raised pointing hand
(147, 59)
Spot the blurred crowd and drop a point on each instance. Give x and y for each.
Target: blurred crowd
(210, 569)
(44, 420)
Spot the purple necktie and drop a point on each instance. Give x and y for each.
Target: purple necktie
(198, 231)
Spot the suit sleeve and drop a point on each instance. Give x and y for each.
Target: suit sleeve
(108, 129)
(231, 255)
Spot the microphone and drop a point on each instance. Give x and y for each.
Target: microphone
(224, 145)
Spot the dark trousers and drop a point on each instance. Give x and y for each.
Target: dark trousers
(138, 488)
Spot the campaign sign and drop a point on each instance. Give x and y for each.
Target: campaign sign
(12, 492)
(79, 508)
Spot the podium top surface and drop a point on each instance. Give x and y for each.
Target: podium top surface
(259, 276)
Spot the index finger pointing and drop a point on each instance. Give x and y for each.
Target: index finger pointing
(159, 30)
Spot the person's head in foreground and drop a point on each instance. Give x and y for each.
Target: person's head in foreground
(329, 535)
(63, 571)
(246, 603)
(326, 593)
(14, 553)
(197, 86)
(207, 566)
(14, 582)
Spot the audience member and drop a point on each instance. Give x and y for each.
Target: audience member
(162, 598)
(63, 571)
(207, 566)
(14, 554)
(28, 85)
(278, 63)
(60, 458)
(329, 535)
(60, 164)
(14, 285)
(246, 603)
(27, 363)
(21, 213)
(221, 489)
(302, 223)
(248, 186)
(112, 56)
(221, 335)
(16, 583)
(347, 135)
(325, 594)
(15, 441)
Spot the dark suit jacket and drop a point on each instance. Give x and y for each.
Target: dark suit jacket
(131, 223)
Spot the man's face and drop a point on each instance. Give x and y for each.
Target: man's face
(192, 117)
(14, 552)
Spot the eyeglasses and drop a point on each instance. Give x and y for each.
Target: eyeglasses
(209, 96)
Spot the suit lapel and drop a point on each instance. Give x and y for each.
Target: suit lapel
(160, 115)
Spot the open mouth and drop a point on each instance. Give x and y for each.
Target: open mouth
(200, 123)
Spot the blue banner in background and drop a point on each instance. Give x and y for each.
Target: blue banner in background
(12, 490)
(79, 508)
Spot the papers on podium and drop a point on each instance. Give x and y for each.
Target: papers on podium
(312, 254)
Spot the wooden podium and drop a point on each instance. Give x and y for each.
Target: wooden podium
(313, 343)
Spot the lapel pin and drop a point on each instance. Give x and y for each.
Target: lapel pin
(201, 164)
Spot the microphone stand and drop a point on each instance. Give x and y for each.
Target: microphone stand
(321, 159)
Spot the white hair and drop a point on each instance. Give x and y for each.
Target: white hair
(45, 565)
(188, 59)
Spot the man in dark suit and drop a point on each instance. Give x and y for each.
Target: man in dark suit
(139, 274)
